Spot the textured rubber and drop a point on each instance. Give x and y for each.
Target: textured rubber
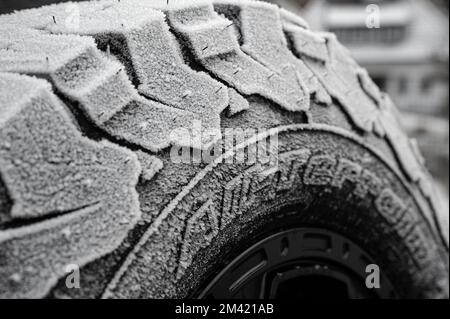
(94, 94)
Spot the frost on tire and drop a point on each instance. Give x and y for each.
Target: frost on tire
(74, 200)
(213, 42)
(261, 27)
(170, 95)
(331, 64)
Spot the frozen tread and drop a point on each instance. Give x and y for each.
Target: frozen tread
(150, 165)
(213, 42)
(184, 94)
(339, 75)
(237, 103)
(263, 39)
(49, 169)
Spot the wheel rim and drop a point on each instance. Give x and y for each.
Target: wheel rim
(301, 263)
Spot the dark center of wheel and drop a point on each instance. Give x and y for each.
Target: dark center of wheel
(301, 263)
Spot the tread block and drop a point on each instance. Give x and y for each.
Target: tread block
(400, 142)
(156, 59)
(103, 90)
(48, 169)
(207, 40)
(237, 103)
(76, 68)
(32, 51)
(293, 19)
(341, 79)
(38, 139)
(165, 77)
(219, 53)
(150, 165)
(307, 43)
(165, 125)
(264, 40)
(410, 159)
(369, 86)
(146, 41)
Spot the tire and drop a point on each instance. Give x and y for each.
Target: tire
(99, 99)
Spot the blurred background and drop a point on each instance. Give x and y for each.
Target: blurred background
(405, 48)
